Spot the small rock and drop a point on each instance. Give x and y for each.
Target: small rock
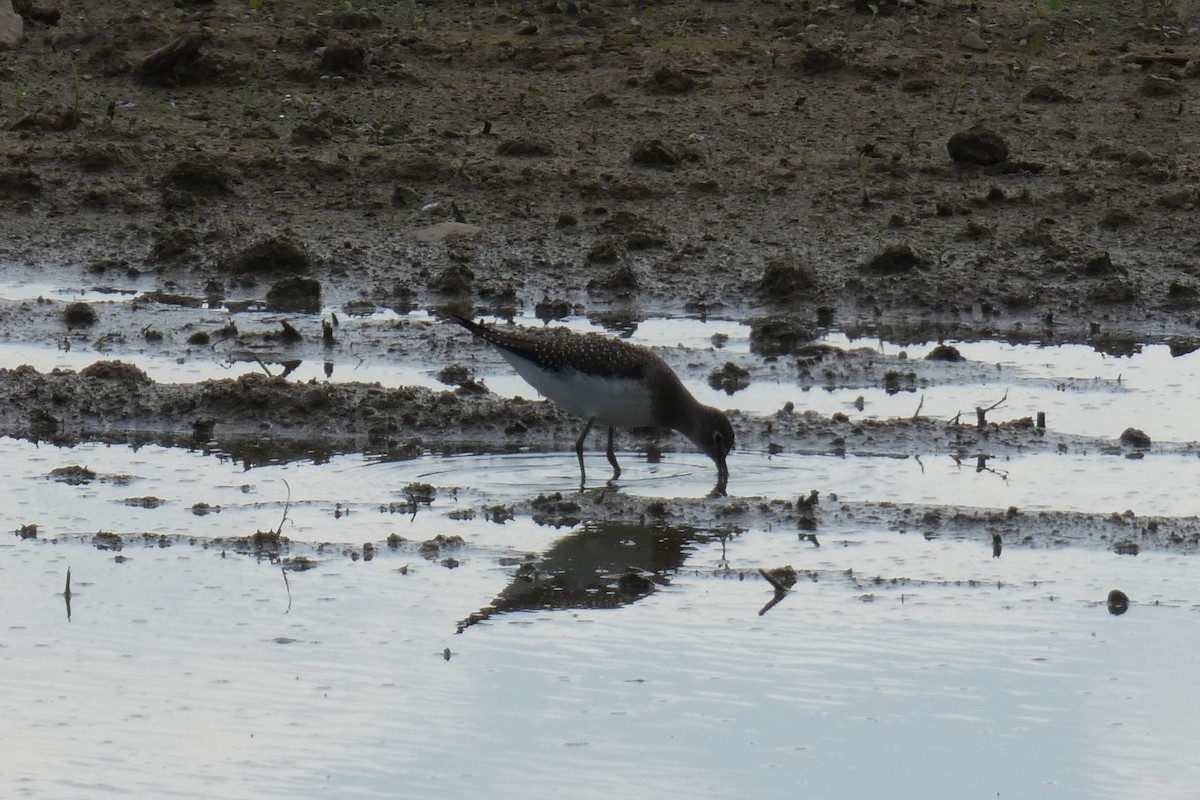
(668, 80)
(818, 59)
(455, 279)
(944, 352)
(404, 197)
(56, 120)
(972, 40)
(1132, 437)
(1032, 28)
(1102, 265)
(524, 148)
(1139, 157)
(977, 146)
(442, 231)
(1118, 602)
(1180, 346)
(12, 27)
(603, 253)
(598, 100)
(271, 254)
(655, 153)
(344, 57)
(893, 260)
(1160, 86)
(297, 293)
(622, 280)
(197, 177)
(729, 378)
(781, 282)
(1115, 217)
(1045, 93)
(79, 315)
(118, 371)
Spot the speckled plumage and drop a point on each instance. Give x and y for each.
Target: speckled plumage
(556, 349)
(606, 380)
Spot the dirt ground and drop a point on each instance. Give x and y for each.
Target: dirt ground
(916, 169)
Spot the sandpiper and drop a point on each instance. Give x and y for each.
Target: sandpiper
(612, 382)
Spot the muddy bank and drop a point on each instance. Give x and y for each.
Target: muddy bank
(932, 162)
(277, 419)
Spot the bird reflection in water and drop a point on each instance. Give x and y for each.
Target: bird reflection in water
(602, 565)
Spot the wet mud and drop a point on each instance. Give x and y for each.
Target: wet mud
(248, 179)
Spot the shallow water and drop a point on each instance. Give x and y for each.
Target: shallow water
(185, 673)
(625, 659)
(1081, 391)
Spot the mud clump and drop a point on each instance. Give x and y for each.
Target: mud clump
(668, 80)
(944, 352)
(344, 57)
(80, 315)
(271, 254)
(297, 293)
(895, 259)
(1133, 437)
(556, 511)
(658, 154)
(621, 281)
(431, 548)
(524, 148)
(73, 475)
(175, 62)
(456, 279)
(197, 177)
(978, 146)
(1118, 602)
(780, 283)
(777, 336)
(105, 540)
(729, 378)
(116, 371)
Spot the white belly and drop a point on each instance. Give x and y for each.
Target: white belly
(609, 401)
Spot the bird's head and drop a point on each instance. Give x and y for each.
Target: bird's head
(714, 435)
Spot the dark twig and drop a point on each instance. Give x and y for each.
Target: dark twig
(261, 364)
(781, 591)
(67, 594)
(286, 505)
(981, 413)
(287, 586)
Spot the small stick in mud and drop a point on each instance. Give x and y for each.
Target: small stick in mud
(287, 586)
(981, 413)
(287, 504)
(261, 364)
(917, 414)
(781, 589)
(67, 594)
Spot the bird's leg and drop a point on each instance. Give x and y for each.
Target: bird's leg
(579, 452)
(612, 456)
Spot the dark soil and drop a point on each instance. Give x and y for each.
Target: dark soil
(916, 169)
